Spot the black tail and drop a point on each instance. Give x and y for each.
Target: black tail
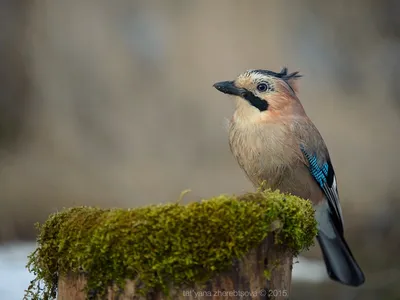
(339, 261)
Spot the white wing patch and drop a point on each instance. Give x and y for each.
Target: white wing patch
(336, 194)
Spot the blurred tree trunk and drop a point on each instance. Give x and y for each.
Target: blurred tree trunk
(14, 80)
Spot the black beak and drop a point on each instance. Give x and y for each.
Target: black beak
(228, 87)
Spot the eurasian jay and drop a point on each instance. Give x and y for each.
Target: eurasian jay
(275, 142)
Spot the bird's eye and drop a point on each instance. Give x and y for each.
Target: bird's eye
(262, 87)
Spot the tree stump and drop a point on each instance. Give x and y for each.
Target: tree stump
(224, 248)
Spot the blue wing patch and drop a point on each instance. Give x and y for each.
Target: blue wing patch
(320, 173)
(324, 175)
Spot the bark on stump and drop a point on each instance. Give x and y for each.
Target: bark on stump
(264, 273)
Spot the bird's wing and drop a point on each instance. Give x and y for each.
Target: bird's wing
(323, 173)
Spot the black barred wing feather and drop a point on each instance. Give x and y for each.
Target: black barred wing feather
(323, 173)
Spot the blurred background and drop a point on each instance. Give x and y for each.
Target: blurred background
(111, 103)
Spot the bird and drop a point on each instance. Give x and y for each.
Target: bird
(278, 146)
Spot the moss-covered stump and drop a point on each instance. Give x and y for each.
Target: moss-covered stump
(227, 247)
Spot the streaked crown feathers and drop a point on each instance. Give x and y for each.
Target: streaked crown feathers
(289, 78)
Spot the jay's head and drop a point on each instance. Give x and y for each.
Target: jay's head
(263, 91)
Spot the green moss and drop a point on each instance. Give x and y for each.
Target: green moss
(163, 244)
(267, 274)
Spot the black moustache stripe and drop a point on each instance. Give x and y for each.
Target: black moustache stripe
(257, 102)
